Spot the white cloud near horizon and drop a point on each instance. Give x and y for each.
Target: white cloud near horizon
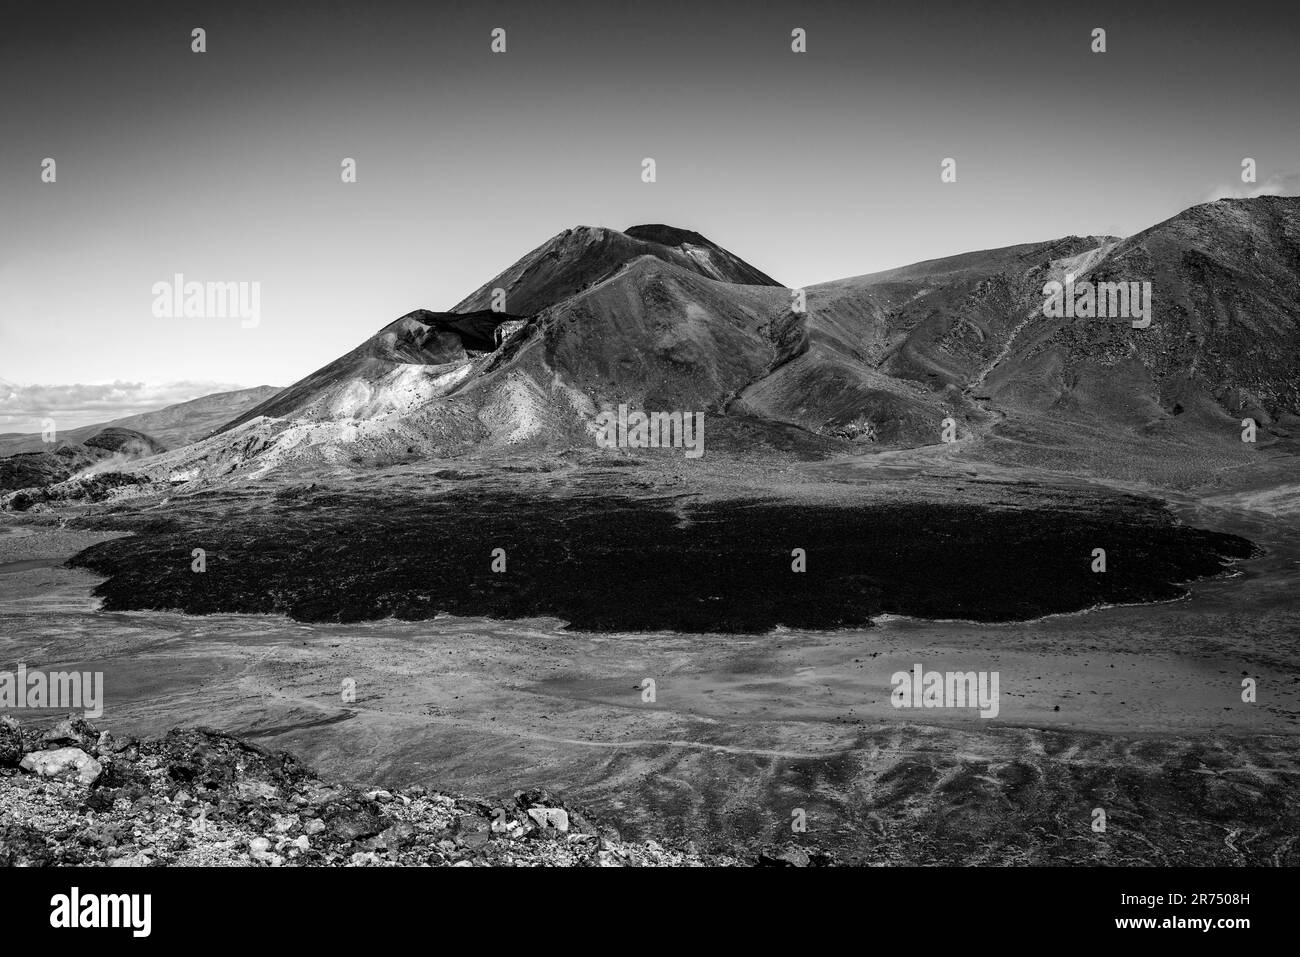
(23, 407)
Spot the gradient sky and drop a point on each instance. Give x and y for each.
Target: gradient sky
(224, 166)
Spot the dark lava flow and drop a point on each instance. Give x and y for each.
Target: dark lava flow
(620, 564)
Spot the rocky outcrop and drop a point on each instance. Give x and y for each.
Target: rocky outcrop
(11, 742)
(93, 488)
(198, 796)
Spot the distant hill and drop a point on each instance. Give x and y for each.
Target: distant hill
(107, 449)
(173, 426)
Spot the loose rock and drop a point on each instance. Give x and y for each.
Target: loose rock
(63, 762)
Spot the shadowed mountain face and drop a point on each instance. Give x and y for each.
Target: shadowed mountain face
(661, 318)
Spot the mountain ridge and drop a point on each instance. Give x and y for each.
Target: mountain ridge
(659, 317)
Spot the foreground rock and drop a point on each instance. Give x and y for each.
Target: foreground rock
(197, 796)
(11, 742)
(63, 762)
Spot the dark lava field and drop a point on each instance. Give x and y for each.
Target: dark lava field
(607, 563)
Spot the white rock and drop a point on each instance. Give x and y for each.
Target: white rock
(62, 762)
(252, 790)
(555, 817)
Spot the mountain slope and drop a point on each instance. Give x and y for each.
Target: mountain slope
(421, 355)
(940, 322)
(653, 311)
(1225, 329)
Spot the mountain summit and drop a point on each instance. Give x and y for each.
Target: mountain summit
(579, 258)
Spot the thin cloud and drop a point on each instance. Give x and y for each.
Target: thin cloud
(1279, 184)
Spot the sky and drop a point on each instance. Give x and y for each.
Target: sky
(224, 166)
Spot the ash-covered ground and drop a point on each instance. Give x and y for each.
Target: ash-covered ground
(1134, 708)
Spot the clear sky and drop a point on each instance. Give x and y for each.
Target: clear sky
(225, 166)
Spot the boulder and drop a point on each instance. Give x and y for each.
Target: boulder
(256, 790)
(788, 856)
(11, 742)
(352, 822)
(535, 797)
(398, 836)
(472, 824)
(63, 762)
(23, 846)
(550, 818)
(71, 732)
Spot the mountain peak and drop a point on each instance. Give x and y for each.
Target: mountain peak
(666, 235)
(583, 256)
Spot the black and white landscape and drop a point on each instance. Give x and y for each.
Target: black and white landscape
(644, 552)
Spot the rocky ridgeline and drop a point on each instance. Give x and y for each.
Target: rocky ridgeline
(73, 795)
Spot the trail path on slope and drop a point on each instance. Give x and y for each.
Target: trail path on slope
(1078, 266)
